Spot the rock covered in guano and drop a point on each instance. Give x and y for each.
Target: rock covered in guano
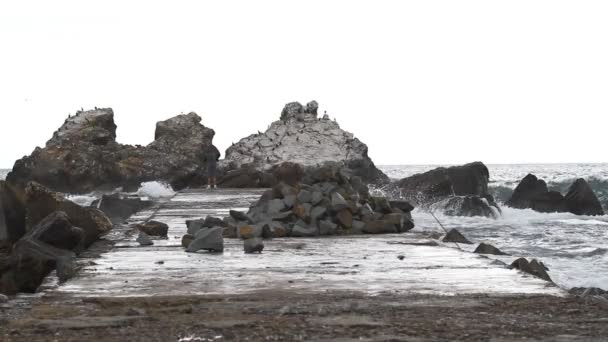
(300, 137)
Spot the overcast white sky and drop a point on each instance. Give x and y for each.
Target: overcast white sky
(417, 81)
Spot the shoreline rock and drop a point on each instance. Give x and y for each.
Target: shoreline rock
(300, 137)
(83, 155)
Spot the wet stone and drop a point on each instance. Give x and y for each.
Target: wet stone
(454, 236)
(144, 240)
(211, 239)
(253, 245)
(345, 218)
(240, 216)
(187, 240)
(154, 228)
(303, 231)
(486, 248)
(338, 202)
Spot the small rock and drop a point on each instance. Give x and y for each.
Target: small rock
(160, 262)
(454, 236)
(486, 248)
(144, 239)
(401, 257)
(253, 245)
(154, 228)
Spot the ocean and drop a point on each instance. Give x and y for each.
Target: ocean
(574, 248)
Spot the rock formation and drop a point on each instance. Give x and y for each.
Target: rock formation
(533, 193)
(455, 191)
(83, 155)
(299, 137)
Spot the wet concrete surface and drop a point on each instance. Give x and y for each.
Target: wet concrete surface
(366, 263)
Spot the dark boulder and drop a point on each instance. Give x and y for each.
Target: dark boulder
(533, 267)
(31, 261)
(533, 193)
(253, 245)
(486, 248)
(288, 173)
(153, 228)
(404, 206)
(12, 214)
(41, 202)
(245, 177)
(469, 179)
(454, 236)
(581, 200)
(56, 230)
(119, 207)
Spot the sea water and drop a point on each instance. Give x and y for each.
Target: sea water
(574, 248)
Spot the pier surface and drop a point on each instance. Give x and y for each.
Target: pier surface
(371, 288)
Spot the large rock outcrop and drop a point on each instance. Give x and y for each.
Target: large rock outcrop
(83, 155)
(533, 193)
(12, 215)
(455, 191)
(299, 137)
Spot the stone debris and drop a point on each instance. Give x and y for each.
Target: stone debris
(144, 239)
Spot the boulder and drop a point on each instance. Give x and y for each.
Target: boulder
(469, 179)
(327, 228)
(302, 230)
(83, 155)
(533, 193)
(187, 239)
(31, 261)
(344, 218)
(56, 230)
(12, 214)
(244, 176)
(338, 202)
(379, 227)
(248, 231)
(253, 245)
(454, 236)
(486, 248)
(211, 239)
(41, 202)
(404, 206)
(581, 200)
(300, 138)
(119, 207)
(153, 228)
(533, 267)
(144, 240)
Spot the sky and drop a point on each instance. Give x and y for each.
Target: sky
(420, 82)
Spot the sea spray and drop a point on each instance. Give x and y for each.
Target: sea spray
(155, 190)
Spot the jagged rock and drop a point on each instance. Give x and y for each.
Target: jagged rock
(187, 240)
(209, 221)
(30, 262)
(469, 179)
(56, 230)
(211, 239)
(41, 202)
(299, 137)
(154, 228)
(468, 206)
(581, 200)
(533, 267)
(533, 193)
(253, 245)
(454, 236)
(12, 214)
(118, 208)
(83, 155)
(486, 248)
(144, 240)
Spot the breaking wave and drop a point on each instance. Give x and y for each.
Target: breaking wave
(155, 190)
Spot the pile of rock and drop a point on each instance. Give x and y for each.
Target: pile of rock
(328, 200)
(533, 193)
(300, 137)
(54, 231)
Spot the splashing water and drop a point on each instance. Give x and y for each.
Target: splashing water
(155, 190)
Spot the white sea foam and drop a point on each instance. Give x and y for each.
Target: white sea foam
(155, 190)
(3, 173)
(82, 200)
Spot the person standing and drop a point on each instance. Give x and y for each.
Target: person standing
(210, 156)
